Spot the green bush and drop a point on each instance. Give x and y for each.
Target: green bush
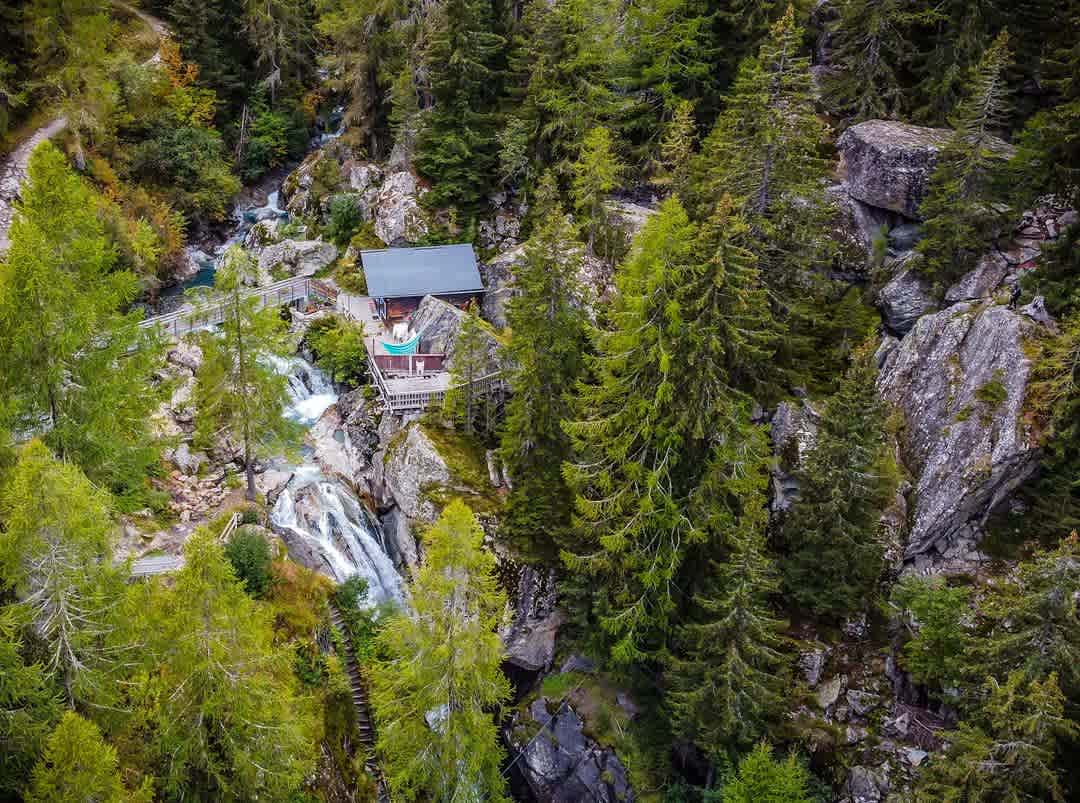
(249, 554)
(339, 348)
(345, 219)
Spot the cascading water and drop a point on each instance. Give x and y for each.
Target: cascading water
(322, 512)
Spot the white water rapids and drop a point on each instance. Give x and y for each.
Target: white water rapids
(322, 512)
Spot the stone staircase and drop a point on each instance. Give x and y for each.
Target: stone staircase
(365, 726)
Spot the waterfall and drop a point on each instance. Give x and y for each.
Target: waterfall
(322, 512)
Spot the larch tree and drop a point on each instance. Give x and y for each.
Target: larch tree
(56, 554)
(728, 671)
(867, 46)
(762, 778)
(677, 147)
(79, 765)
(548, 338)
(1009, 754)
(833, 531)
(964, 204)
(438, 690)
(596, 173)
(457, 146)
(228, 720)
(73, 367)
(238, 393)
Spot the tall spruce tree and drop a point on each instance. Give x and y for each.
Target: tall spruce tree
(238, 393)
(727, 675)
(833, 531)
(548, 339)
(457, 144)
(225, 717)
(463, 400)
(56, 554)
(73, 367)
(439, 687)
(596, 173)
(1009, 754)
(867, 47)
(963, 206)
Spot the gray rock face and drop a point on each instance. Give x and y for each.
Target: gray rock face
(793, 431)
(982, 281)
(296, 257)
(855, 226)
(887, 164)
(399, 220)
(867, 785)
(498, 277)
(905, 298)
(412, 465)
(439, 322)
(529, 637)
(562, 765)
(400, 544)
(959, 377)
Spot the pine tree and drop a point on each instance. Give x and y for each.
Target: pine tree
(470, 362)
(640, 443)
(438, 690)
(832, 532)
(764, 779)
(238, 394)
(225, 717)
(867, 46)
(596, 173)
(962, 208)
(78, 765)
(728, 674)
(548, 338)
(1011, 758)
(570, 59)
(457, 144)
(1033, 624)
(28, 703)
(71, 365)
(56, 554)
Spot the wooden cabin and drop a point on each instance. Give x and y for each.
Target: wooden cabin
(398, 278)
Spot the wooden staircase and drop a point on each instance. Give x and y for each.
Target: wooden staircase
(365, 727)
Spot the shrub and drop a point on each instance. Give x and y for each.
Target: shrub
(345, 219)
(249, 554)
(339, 348)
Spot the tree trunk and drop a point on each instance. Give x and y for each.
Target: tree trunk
(249, 470)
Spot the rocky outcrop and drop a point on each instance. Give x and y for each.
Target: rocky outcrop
(498, 277)
(561, 764)
(399, 219)
(887, 164)
(439, 322)
(399, 540)
(502, 230)
(793, 431)
(856, 227)
(959, 377)
(906, 297)
(295, 258)
(534, 621)
(411, 467)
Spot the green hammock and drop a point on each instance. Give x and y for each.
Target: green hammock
(408, 347)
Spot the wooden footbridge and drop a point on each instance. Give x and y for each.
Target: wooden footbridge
(297, 290)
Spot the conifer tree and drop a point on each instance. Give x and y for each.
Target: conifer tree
(226, 719)
(640, 442)
(677, 147)
(596, 174)
(281, 33)
(28, 702)
(866, 48)
(457, 144)
(764, 779)
(835, 547)
(470, 363)
(1012, 757)
(71, 363)
(438, 691)
(78, 765)
(56, 554)
(963, 205)
(728, 674)
(548, 338)
(238, 394)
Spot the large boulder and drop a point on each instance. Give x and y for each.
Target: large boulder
(411, 467)
(887, 164)
(562, 764)
(498, 277)
(295, 258)
(529, 636)
(399, 219)
(906, 297)
(439, 323)
(856, 227)
(959, 377)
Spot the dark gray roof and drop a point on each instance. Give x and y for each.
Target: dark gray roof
(434, 270)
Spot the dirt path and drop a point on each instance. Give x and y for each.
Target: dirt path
(13, 168)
